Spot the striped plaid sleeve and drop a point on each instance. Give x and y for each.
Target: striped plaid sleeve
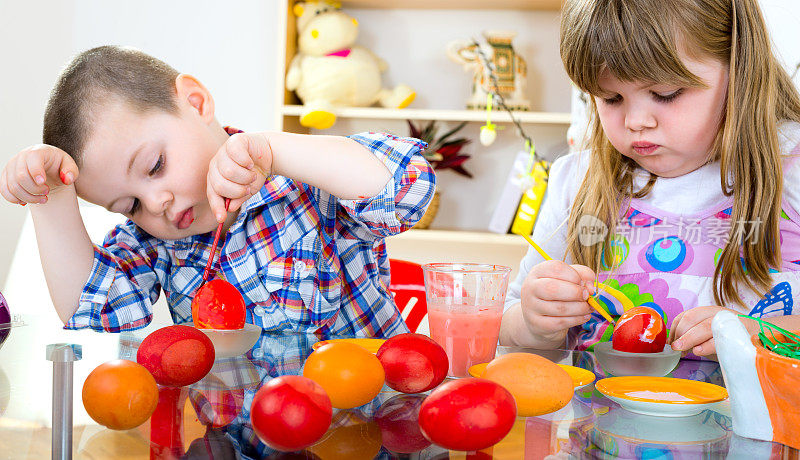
(123, 284)
(406, 196)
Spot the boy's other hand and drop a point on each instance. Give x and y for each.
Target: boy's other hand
(553, 298)
(238, 171)
(35, 172)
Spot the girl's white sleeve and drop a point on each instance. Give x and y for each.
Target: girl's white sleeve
(550, 231)
(789, 138)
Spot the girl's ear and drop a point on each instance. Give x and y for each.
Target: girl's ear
(191, 91)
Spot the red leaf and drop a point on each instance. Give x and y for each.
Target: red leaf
(462, 171)
(449, 150)
(453, 161)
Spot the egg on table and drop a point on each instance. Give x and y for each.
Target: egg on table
(350, 375)
(176, 355)
(538, 385)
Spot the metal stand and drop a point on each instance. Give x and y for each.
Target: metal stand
(62, 355)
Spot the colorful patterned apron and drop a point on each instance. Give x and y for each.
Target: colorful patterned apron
(666, 262)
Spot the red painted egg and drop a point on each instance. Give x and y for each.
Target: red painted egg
(467, 414)
(290, 412)
(176, 355)
(218, 305)
(413, 363)
(640, 330)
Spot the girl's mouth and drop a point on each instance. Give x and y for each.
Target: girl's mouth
(644, 148)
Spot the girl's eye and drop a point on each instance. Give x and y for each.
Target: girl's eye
(134, 207)
(157, 167)
(667, 97)
(612, 100)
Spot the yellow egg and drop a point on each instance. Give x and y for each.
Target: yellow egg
(538, 385)
(351, 375)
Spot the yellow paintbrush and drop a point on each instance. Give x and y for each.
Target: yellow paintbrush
(591, 300)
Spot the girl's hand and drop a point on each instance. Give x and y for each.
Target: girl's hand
(691, 330)
(553, 298)
(238, 171)
(35, 172)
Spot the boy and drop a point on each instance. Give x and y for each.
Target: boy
(303, 240)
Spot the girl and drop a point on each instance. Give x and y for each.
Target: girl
(688, 197)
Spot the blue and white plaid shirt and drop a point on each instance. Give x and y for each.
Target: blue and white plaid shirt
(303, 259)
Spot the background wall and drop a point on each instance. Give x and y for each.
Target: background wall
(230, 47)
(783, 19)
(414, 43)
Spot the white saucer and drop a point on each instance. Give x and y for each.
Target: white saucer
(662, 396)
(233, 342)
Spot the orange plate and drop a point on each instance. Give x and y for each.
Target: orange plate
(580, 377)
(647, 389)
(370, 345)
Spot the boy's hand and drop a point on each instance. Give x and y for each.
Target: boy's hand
(36, 172)
(553, 298)
(691, 330)
(238, 171)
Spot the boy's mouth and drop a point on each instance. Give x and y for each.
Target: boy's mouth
(185, 219)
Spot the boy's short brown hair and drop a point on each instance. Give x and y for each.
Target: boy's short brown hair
(138, 79)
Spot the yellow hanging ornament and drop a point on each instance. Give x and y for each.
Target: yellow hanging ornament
(531, 200)
(489, 130)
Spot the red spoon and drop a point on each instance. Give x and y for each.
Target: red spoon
(214, 244)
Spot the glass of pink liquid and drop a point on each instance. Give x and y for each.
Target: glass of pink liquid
(465, 306)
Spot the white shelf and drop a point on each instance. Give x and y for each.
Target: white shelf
(542, 118)
(463, 237)
(552, 5)
(426, 246)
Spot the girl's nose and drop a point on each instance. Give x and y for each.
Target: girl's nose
(639, 118)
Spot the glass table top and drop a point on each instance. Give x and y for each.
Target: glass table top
(210, 419)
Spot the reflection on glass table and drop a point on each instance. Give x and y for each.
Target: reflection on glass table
(210, 419)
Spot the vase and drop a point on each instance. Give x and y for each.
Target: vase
(430, 213)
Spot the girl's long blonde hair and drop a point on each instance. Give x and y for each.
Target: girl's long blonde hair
(639, 40)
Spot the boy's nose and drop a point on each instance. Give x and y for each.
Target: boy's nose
(157, 203)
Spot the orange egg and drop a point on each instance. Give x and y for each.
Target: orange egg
(120, 394)
(538, 385)
(350, 375)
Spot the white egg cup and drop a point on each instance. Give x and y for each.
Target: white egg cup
(623, 363)
(229, 343)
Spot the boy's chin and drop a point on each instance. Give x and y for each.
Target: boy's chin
(177, 233)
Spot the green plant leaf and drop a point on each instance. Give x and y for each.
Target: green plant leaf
(442, 152)
(453, 131)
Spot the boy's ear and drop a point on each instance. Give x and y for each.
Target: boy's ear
(190, 89)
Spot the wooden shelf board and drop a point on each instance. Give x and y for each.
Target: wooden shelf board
(552, 5)
(553, 118)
